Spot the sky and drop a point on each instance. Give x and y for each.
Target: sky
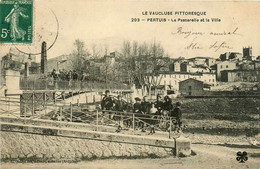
(108, 23)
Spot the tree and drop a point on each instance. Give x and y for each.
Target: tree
(143, 62)
(126, 49)
(79, 55)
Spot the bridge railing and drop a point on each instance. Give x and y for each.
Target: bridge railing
(51, 84)
(112, 121)
(120, 121)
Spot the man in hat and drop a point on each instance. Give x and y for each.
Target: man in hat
(146, 107)
(167, 105)
(120, 107)
(177, 114)
(54, 75)
(137, 109)
(107, 102)
(159, 104)
(137, 106)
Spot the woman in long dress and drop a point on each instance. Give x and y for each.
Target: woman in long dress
(13, 17)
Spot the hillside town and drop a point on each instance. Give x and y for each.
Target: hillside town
(152, 72)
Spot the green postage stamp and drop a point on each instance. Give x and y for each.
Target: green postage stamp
(16, 18)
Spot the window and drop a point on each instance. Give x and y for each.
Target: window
(212, 80)
(209, 80)
(189, 87)
(221, 67)
(226, 66)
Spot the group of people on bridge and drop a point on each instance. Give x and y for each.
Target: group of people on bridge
(148, 112)
(67, 77)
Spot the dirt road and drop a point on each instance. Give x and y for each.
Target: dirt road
(208, 157)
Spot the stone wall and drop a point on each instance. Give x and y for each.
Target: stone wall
(49, 144)
(33, 147)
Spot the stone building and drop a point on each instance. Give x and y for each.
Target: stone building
(191, 87)
(241, 75)
(247, 53)
(210, 61)
(225, 65)
(198, 60)
(231, 56)
(175, 67)
(172, 79)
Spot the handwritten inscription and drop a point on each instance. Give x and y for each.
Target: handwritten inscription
(195, 44)
(234, 32)
(216, 45)
(187, 33)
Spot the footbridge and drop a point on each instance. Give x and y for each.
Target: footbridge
(62, 124)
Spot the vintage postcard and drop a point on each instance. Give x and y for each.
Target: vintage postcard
(129, 84)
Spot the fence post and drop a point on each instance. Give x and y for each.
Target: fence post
(60, 110)
(46, 84)
(54, 97)
(170, 127)
(44, 102)
(97, 119)
(8, 103)
(24, 111)
(133, 123)
(63, 95)
(33, 84)
(6, 106)
(70, 112)
(32, 103)
(44, 99)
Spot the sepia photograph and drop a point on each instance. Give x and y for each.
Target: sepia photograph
(110, 84)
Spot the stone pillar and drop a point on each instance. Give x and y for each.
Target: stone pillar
(26, 67)
(44, 58)
(12, 80)
(183, 148)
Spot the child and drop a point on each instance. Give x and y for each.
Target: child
(177, 114)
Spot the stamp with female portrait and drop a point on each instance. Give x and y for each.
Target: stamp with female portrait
(16, 19)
